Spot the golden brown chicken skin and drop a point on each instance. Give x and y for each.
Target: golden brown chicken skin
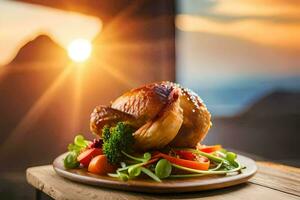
(163, 128)
(164, 113)
(196, 120)
(144, 103)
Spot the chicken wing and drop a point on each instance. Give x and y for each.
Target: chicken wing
(104, 115)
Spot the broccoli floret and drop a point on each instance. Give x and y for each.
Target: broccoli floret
(117, 139)
(105, 133)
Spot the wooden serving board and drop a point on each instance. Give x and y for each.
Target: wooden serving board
(177, 185)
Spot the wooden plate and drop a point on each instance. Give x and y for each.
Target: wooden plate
(166, 186)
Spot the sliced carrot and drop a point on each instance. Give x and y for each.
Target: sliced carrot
(100, 165)
(185, 163)
(210, 149)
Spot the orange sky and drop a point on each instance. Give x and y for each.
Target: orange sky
(20, 22)
(283, 8)
(286, 35)
(269, 22)
(227, 38)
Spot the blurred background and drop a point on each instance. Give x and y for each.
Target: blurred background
(59, 59)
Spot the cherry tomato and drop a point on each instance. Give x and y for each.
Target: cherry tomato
(185, 154)
(86, 156)
(100, 165)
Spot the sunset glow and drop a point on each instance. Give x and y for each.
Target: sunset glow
(79, 50)
(41, 20)
(284, 35)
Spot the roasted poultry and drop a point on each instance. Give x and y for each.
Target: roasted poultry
(163, 114)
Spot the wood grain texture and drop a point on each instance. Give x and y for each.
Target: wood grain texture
(45, 179)
(279, 177)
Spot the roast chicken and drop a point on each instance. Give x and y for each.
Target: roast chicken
(162, 114)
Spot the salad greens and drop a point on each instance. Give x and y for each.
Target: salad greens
(79, 144)
(113, 155)
(74, 149)
(163, 168)
(70, 160)
(145, 158)
(134, 170)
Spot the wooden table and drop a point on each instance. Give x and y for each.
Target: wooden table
(272, 181)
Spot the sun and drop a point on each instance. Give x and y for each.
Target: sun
(79, 50)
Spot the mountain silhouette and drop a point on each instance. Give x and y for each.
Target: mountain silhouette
(40, 49)
(278, 102)
(270, 123)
